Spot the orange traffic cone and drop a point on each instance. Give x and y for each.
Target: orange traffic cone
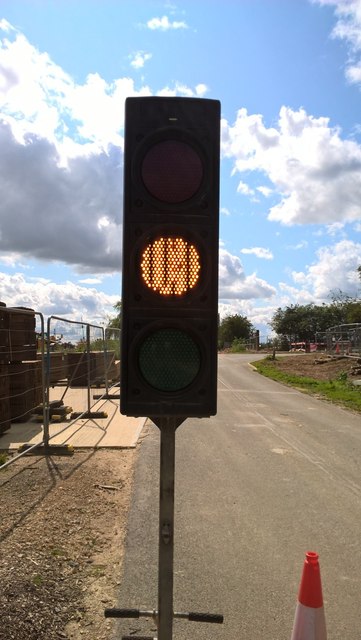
(310, 623)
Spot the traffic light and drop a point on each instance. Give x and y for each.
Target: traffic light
(170, 257)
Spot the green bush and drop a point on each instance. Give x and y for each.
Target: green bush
(238, 346)
(3, 458)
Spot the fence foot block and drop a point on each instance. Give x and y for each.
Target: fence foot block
(48, 450)
(88, 415)
(106, 396)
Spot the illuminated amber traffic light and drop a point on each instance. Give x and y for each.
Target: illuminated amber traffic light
(170, 257)
(170, 266)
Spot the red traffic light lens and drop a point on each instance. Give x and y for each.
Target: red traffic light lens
(172, 171)
(170, 266)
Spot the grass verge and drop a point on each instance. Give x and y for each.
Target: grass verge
(3, 458)
(339, 391)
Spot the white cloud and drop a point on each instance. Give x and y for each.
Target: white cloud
(178, 89)
(67, 300)
(5, 25)
(335, 269)
(353, 73)
(244, 189)
(60, 163)
(315, 171)
(265, 191)
(234, 283)
(38, 96)
(225, 211)
(259, 316)
(85, 102)
(90, 281)
(103, 222)
(32, 86)
(335, 229)
(201, 90)
(348, 28)
(138, 59)
(293, 295)
(69, 214)
(13, 260)
(164, 24)
(300, 245)
(259, 252)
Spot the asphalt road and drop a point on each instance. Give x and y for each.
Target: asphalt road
(274, 474)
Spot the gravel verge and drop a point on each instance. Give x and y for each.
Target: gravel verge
(62, 535)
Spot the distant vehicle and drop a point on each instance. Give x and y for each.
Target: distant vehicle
(300, 347)
(307, 347)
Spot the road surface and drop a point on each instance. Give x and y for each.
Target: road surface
(274, 474)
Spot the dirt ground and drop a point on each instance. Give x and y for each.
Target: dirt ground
(318, 366)
(62, 530)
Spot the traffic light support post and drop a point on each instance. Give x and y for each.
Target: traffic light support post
(167, 427)
(165, 614)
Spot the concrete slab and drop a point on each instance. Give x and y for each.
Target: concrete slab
(114, 431)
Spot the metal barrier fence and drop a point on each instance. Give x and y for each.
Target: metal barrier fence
(43, 372)
(260, 342)
(344, 338)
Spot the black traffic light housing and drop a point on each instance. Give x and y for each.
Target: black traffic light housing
(170, 257)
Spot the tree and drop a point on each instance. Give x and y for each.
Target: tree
(353, 312)
(285, 322)
(116, 323)
(302, 322)
(349, 308)
(232, 327)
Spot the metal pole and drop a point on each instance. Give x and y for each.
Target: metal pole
(166, 528)
(44, 375)
(46, 414)
(105, 360)
(88, 363)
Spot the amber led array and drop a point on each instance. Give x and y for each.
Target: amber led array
(170, 266)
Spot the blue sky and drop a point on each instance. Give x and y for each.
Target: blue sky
(288, 75)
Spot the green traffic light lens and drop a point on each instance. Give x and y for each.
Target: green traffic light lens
(169, 360)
